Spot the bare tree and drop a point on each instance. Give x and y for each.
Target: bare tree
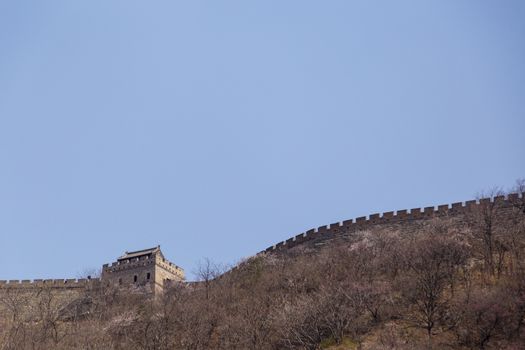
(432, 261)
(13, 302)
(206, 272)
(486, 230)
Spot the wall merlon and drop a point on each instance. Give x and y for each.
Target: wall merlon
(457, 206)
(349, 222)
(499, 199)
(322, 229)
(429, 211)
(374, 217)
(360, 220)
(335, 225)
(443, 208)
(300, 237)
(484, 201)
(388, 215)
(471, 204)
(415, 213)
(401, 214)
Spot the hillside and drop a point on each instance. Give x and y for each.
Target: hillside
(440, 279)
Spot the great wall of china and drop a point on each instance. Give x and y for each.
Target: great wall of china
(50, 283)
(393, 218)
(314, 237)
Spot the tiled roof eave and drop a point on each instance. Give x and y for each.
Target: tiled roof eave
(138, 253)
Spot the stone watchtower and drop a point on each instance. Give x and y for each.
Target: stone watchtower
(143, 268)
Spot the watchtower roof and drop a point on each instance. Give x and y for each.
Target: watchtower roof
(139, 253)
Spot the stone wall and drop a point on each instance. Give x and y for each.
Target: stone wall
(49, 283)
(27, 299)
(147, 271)
(166, 271)
(123, 273)
(400, 219)
(160, 270)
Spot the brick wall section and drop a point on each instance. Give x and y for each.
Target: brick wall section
(159, 270)
(118, 273)
(404, 219)
(124, 273)
(49, 283)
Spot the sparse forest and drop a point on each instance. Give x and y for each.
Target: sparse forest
(449, 285)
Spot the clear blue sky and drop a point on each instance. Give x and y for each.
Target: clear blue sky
(218, 128)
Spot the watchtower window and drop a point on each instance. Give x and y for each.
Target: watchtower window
(148, 275)
(120, 281)
(135, 279)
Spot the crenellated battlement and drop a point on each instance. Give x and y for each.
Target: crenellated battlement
(172, 268)
(144, 268)
(143, 261)
(392, 217)
(147, 267)
(128, 264)
(50, 283)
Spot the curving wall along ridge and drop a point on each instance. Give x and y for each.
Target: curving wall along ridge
(317, 235)
(391, 217)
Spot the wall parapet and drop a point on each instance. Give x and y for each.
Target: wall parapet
(136, 262)
(49, 283)
(124, 265)
(392, 217)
